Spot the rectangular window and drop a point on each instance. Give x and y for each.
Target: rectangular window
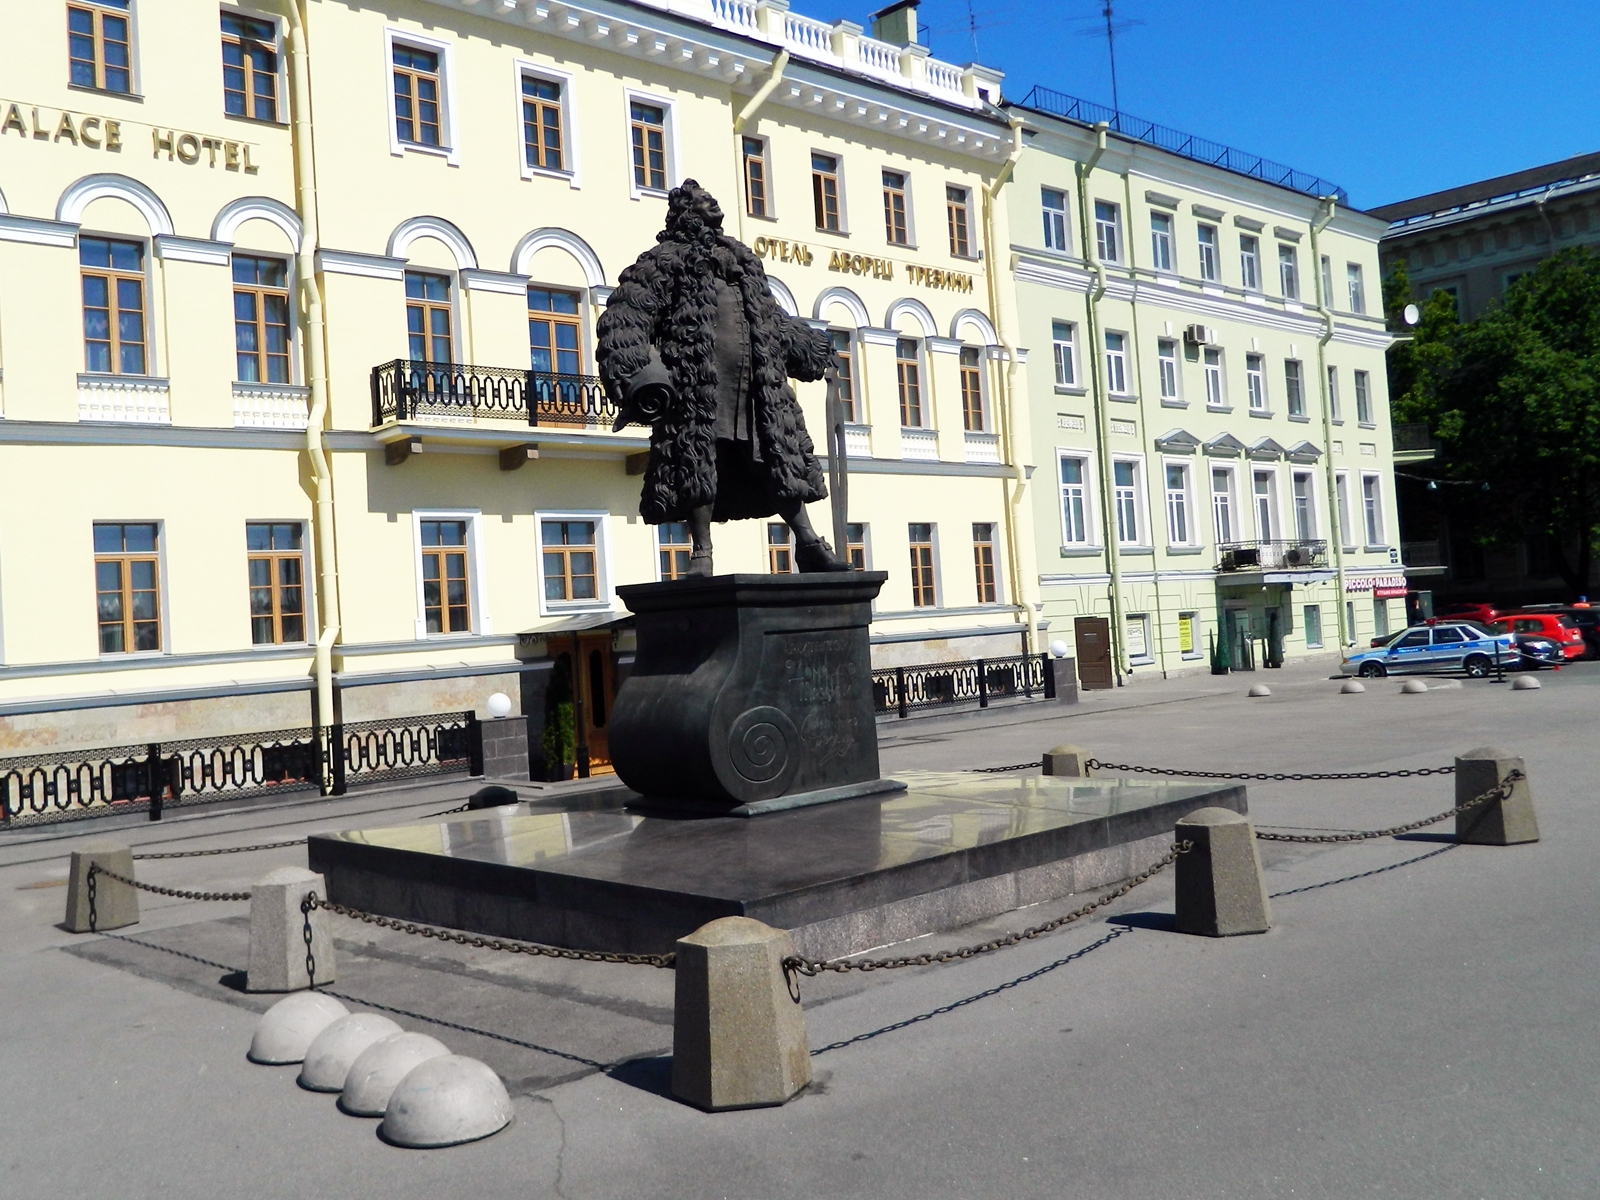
(1074, 511)
(1350, 620)
(755, 176)
(277, 582)
(957, 210)
(1255, 381)
(1250, 262)
(844, 355)
(908, 369)
(1061, 343)
(1055, 218)
(249, 67)
(1177, 504)
(1126, 498)
(416, 96)
(1117, 364)
(1358, 291)
(674, 545)
(99, 51)
(1294, 387)
(924, 584)
(972, 389)
(1380, 617)
(1188, 627)
(127, 580)
(113, 306)
(1346, 530)
(983, 562)
(1327, 281)
(1161, 241)
(1313, 625)
(1333, 394)
(571, 560)
(1371, 509)
(1222, 503)
(894, 208)
(1138, 636)
(1266, 503)
(1289, 271)
(825, 191)
(1305, 512)
(428, 317)
(446, 597)
(1167, 367)
(647, 127)
(543, 145)
(261, 319)
(1363, 398)
(1206, 236)
(1107, 232)
(780, 548)
(555, 331)
(856, 545)
(1216, 396)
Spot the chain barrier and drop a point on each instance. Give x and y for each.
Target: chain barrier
(224, 850)
(1500, 791)
(1013, 767)
(795, 965)
(313, 902)
(447, 812)
(97, 869)
(1094, 764)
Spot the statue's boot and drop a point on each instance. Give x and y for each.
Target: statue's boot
(699, 566)
(818, 556)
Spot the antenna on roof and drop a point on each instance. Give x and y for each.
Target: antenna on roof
(1110, 31)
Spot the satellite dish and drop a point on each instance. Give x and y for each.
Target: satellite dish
(1412, 314)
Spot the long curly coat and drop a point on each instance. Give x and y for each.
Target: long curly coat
(668, 300)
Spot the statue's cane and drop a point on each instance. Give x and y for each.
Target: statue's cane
(838, 471)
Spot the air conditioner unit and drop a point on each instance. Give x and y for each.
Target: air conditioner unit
(1296, 556)
(1199, 335)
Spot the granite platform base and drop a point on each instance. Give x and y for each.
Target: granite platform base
(843, 877)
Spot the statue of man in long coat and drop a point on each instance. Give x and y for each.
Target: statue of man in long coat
(693, 345)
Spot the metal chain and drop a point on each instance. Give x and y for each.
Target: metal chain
(224, 850)
(306, 905)
(1499, 791)
(94, 913)
(1268, 777)
(812, 966)
(447, 812)
(1013, 767)
(97, 869)
(312, 901)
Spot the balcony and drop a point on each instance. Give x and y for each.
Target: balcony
(1413, 443)
(457, 393)
(1260, 558)
(1424, 558)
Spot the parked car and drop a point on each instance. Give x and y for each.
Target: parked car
(1584, 616)
(1534, 649)
(1481, 613)
(1437, 646)
(1558, 627)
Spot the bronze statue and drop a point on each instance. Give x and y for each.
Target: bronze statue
(693, 345)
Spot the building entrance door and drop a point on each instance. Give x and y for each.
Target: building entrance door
(1094, 652)
(594, 682)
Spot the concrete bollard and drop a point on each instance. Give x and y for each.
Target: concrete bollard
(1068, 761)
(115, 904)
(1220, 891)
(277, 933)
(738, 1036)
(1505, 822)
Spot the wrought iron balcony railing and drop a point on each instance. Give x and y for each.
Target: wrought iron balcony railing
(1411, 437)
(1298, 555)
(449, 393)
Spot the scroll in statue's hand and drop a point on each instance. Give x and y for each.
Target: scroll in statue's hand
(649, 394)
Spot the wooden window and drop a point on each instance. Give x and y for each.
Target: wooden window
(923, 582)
(894, 208)
(675, 545)
(983, 561)
(780, 548)
(113, 306)
(844, 354)
(571, 570)
(99, 51)
(277, 583)
(955, 207)
(261, 319)
(541, 124)
(825, 191)
(649, 131)
(127, 580)
(972, 388)
(416, 96)
(428, 317)
(249, 68)
(909, 371)
(446, 598)
(555, 331)
(856, 545)
(755, 177)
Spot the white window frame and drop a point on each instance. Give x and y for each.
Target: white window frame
(1294, 386)
(477, 599)
(1250, 262)
(1363, 388)
(1161, 245)
(523, 67)
(1255, 382)
(605, 598)
(1114, 226)
(1086, 461)
(1296, 478)
(1334, 413)
(1341, 487)
(1194, 650)
(1230, 497)
(1289, 270)
(1056, 218)
(1208, 252)
(451, 150)
(669, 118)
(1326, 266)
(1274, 516)
(1071, 356)
(1355, 282)
(1117, 364)
(1183, 499)
(1141, 518)
(277, 24)
(1305, 624)
(1216, 401)
(1149, 646)
(1372, 511)
(1167, 356)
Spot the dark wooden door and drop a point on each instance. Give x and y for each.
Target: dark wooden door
(597, 681)
(1094, 652)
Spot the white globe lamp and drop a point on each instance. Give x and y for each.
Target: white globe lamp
(499, 705)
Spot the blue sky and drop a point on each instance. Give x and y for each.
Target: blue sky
(1391, 100)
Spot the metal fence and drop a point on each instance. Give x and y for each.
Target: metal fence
(151, 778)
(903, 690)
(1268, 555)
(459, 392)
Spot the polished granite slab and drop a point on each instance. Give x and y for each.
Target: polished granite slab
(844, 876)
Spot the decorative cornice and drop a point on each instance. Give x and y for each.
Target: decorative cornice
(196, 250)
(369, 266)
(37, 232)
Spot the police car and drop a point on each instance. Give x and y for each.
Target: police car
(1435, 646)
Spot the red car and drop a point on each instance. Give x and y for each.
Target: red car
(1559, 628)
(1481, 613)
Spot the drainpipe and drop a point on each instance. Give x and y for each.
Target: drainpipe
(1325, 211)
(313, 334)
(1016, 485)
(779, 64)
(1102, 418)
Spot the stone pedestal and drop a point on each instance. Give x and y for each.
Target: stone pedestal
(115, 904)
(750, 693)
(1219, 887)
(1066, 760)
(1505, 822)
(277, 932)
